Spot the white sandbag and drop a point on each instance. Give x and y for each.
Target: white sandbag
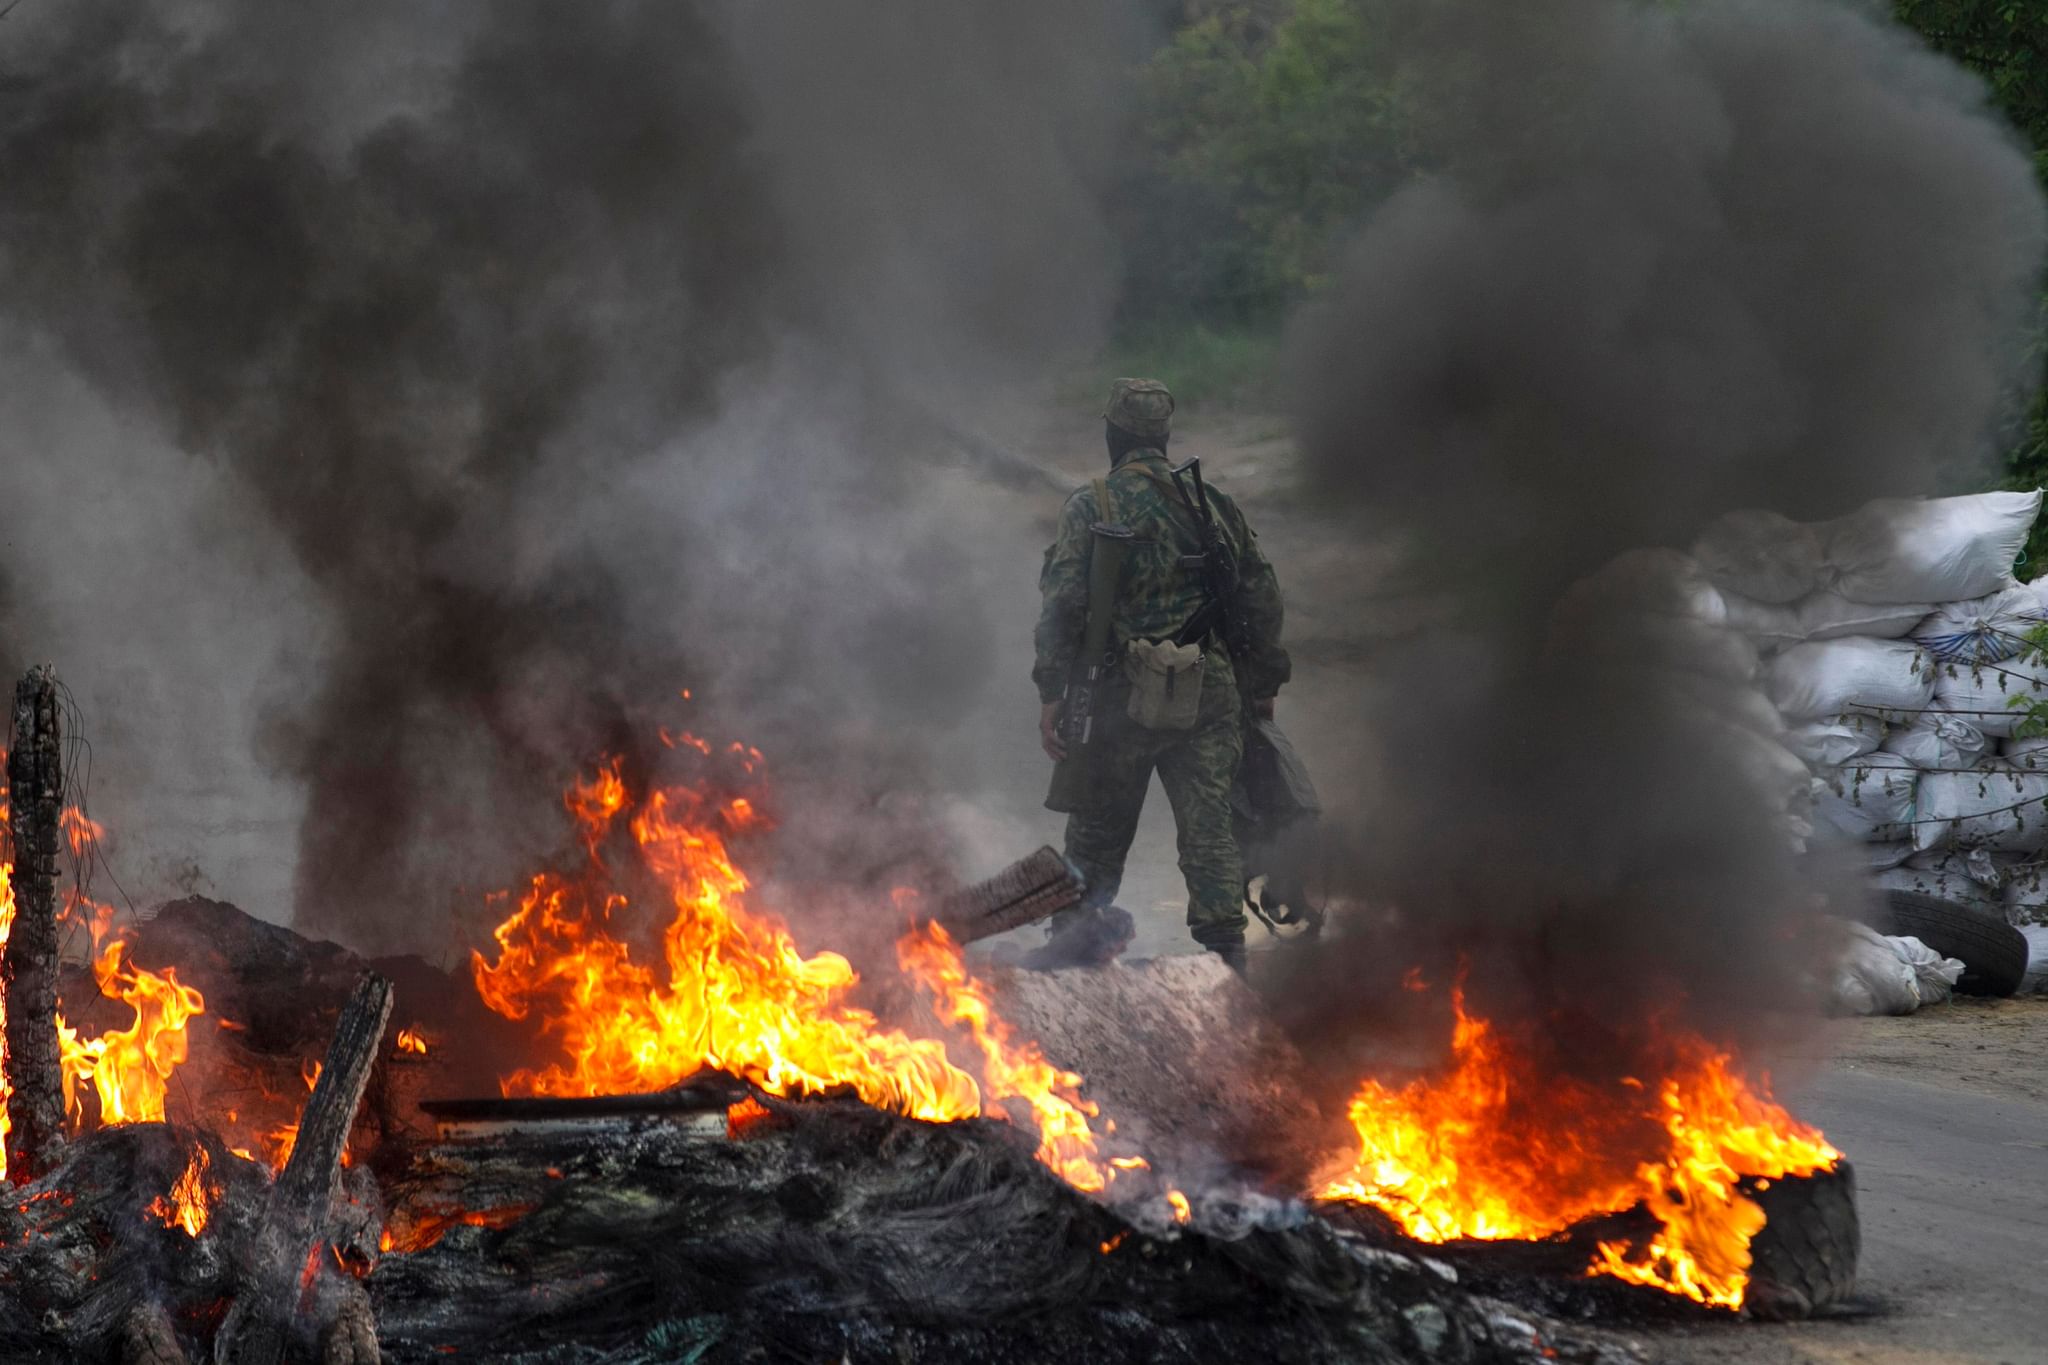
(1934, 742)
(1868, 801)
(1779, 777)
(1931, 550)
(2031, 752)
(1657, 582)
(1651, 610)
(1985, 694)
(1984, 630)
(2035, 981)
(1934, 976)
(1744, 707)
(1831, 743)
(1821, 616)
(1668, 645)
(1762, 556)
(1971, 877)
(1885, 857)
(1997, 807)
(1829, 677)
(2026, 883)
(1871, 976)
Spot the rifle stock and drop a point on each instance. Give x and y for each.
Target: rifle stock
(1224, 610)
(1073, 775)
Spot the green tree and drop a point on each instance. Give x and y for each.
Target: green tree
(2005, 42)
(1269, 136)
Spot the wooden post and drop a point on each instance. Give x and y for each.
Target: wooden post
(35, 780)
(148, 1337)
(1025, 892)
(290, 1248)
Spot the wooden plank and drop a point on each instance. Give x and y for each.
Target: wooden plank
(1028, 890)
(35, 781)
(290, 1248)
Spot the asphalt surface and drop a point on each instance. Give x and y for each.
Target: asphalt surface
(1952, 1186)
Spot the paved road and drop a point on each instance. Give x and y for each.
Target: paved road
(1953, 1189)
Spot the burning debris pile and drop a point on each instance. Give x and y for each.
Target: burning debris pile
(707, 1142)
(801, 1175)
(1510, 1142)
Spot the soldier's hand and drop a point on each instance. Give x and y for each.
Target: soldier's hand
(1049, 731)
(1263, 707)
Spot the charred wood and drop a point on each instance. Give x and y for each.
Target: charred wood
(290, 1251)
(148, 1338)
(351, 1337)
(35, 779)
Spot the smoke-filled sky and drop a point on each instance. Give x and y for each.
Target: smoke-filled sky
(513, 367)
(405, 400)
(1676, 260)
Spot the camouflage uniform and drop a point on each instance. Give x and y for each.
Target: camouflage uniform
(1156, 596)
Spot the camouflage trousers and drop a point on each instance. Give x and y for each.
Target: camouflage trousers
(1197, 768)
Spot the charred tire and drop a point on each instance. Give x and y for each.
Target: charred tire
(1804, 1259)
(1993, 953)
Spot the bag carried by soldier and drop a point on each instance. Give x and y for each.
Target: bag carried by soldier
(1275, 814)
(1166, 684)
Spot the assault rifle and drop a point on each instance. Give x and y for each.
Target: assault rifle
(1274, 807)
(1072, 775)
(1221, 609)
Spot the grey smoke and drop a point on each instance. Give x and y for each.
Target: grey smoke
(1672, 260)
(571, 355)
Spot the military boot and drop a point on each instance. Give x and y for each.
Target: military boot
(1232, 955)
(1091, 938)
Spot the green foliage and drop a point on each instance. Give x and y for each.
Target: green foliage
(1203, 365)
(1266, 141)
(679, 1341)
(2006, 43)
(2033, 651)
(1273, 126)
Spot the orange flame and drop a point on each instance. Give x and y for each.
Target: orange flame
(731, 991)
(80, 831)
(191, 1199)
(411, 1040)
(281, 1140)
(1497, 1147)
(1013, 1071)
(128, 1067)
(416, 1230)
(739, 1118)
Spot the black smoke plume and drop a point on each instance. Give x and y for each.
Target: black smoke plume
(570, 351)
(1672, 260)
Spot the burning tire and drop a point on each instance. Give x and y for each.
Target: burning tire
(1805, 1258)
(1993, 953)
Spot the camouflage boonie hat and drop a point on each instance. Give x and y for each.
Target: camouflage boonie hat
(1142, 407)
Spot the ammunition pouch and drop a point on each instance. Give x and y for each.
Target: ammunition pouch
(1166, 684)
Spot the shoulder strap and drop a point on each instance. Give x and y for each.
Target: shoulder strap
(1182, 515)
(1102, 501)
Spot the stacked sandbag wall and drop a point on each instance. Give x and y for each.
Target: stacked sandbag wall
(1896, 646)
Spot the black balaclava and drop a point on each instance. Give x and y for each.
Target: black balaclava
(1122, 443)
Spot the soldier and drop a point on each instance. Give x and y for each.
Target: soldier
(1195, 745)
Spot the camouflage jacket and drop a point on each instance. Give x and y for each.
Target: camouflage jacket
(1157, 593)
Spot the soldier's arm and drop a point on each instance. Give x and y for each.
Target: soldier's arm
(1269, 668)
(1063, 586)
